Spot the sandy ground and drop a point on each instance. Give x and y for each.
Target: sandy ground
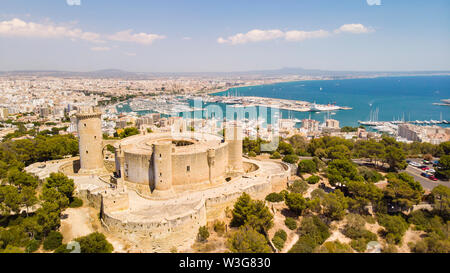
(410, 236)
(83, 221)
(76, 223)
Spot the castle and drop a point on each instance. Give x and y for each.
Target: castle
(165, 185)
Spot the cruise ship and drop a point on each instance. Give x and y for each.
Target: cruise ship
(319, 108)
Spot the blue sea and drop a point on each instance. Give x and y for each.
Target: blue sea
(394, 98)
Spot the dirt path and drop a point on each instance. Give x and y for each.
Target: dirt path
(76, 223)
(290, 243)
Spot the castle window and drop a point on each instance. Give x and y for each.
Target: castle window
(188, 169)
(85, 125)
(95, 137)
(87, 152)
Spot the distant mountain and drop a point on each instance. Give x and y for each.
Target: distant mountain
(121, 74)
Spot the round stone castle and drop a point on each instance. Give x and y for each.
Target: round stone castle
(160, 164)
(166, 185)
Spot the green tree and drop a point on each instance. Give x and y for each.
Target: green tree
(95, 243)
(61, 183)
(334, 247)
(313, 179)
(395, 227)
(307, 166)
(275, 155)
(53, 240)
(402, 192)
(441, 199)
(298, 186)
(291, 159)
(290, 223)
(10, 200)
(338, 152)
(248, 240)
(296, 202)
(253, 213)
(341, 171)
(275, 197)
(203, 234)
(313, 232)
(395, 158)
(444, 167)
(334, 205)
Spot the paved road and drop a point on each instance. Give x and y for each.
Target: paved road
(425, 182)
(415, 172)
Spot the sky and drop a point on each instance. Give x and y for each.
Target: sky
(222, 36)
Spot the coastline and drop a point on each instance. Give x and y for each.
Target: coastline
(324, 79)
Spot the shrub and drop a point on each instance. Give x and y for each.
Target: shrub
(282, 234)
(296, 202)
(291, 159)
(313, 179)
(315, 228)
(305, 244)
(359, 244)
(334, 247)
(275, 197)
(290, 223)
(203, 234)
(32, 246)
(76, 203)
(95, 243)
(313, 232)
(307, 166)
(62, 249)
(53, 240)
(299, 186)
(219, 227)
(278, 242)
(395, 227)
(389, 249)
(248, 240)
(252, 154)
(275, 155)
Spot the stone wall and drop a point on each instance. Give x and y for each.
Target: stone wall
(162, 235)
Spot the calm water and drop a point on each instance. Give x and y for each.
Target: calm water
(395, 98)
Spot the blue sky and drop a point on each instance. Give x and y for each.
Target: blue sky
(201, 36)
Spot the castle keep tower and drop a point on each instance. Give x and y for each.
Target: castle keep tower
(234, 137)
(162, 167)
(90, 139)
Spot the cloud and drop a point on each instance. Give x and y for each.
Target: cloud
(19, 28)
(374, 2)
(140, 38)
(100, 48)
(353, 28)
(187, 38)
(131, 54)
(298, 35)
(255, 35)
(258, 35)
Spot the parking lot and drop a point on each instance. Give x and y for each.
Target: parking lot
(415, 169)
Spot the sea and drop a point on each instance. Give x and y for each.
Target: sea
(380, 99)
(383, 99)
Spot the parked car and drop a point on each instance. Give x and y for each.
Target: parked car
(432, 177)
(424, 168)
(426, 162)
(425, 175)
